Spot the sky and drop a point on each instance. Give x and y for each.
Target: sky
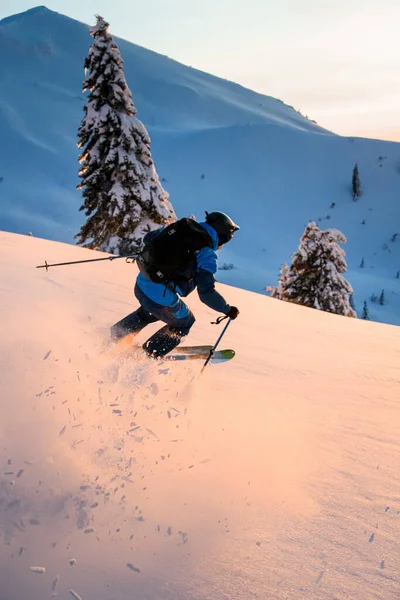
(335, 61)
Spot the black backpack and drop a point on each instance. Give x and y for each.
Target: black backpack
(168, 254)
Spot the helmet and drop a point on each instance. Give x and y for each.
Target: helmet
(223, 225)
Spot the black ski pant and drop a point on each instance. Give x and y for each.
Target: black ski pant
(166, 338)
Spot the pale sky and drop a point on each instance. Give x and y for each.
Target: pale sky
(338, 61)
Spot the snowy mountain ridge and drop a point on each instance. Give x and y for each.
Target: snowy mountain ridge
(215, 145)
(46, 32)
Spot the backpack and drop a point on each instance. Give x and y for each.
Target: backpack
(169, 253)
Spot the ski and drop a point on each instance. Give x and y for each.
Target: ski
(192, 349)
(125, 349)
(202, 353)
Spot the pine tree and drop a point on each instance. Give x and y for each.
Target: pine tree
(365, 313)
(279, 291)
(362, 263)
(315, 273)
(382, 298)
(355, 185)
(123, 198)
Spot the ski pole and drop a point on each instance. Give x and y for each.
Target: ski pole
(212, 351)
(78, 262)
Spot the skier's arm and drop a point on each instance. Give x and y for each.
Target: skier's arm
(208, 294)
(206, 267)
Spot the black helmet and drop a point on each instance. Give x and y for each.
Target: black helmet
(223, 225)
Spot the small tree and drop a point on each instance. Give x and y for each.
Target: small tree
(315, 273)
(365, 313)
(123, 198)
(382, 298)
(279, 291)
(362, 263)
(355, 185)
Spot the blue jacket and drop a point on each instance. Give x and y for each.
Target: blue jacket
(203, 279)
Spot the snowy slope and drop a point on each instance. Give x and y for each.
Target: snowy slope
(262, 161)
(273, 476)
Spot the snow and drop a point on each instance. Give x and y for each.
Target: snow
(274, 475)
(262, 161)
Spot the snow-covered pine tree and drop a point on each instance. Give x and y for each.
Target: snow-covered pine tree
(123, 197)
(365, 313)
(315, 272)
(279, 291)
(355, 184)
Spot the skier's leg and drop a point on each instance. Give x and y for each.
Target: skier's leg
(164, 340)
(132, 324)
(179, 320)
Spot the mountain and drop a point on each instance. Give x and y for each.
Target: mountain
(216, 145)
(272, 476)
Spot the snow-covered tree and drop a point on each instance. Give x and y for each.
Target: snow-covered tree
(355, 184)
(315, 272)
(365, 313)
(279, 291)
(123, 197)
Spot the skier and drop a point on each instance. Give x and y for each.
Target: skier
(160, 301)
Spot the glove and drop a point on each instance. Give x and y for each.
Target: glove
(233, 312)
